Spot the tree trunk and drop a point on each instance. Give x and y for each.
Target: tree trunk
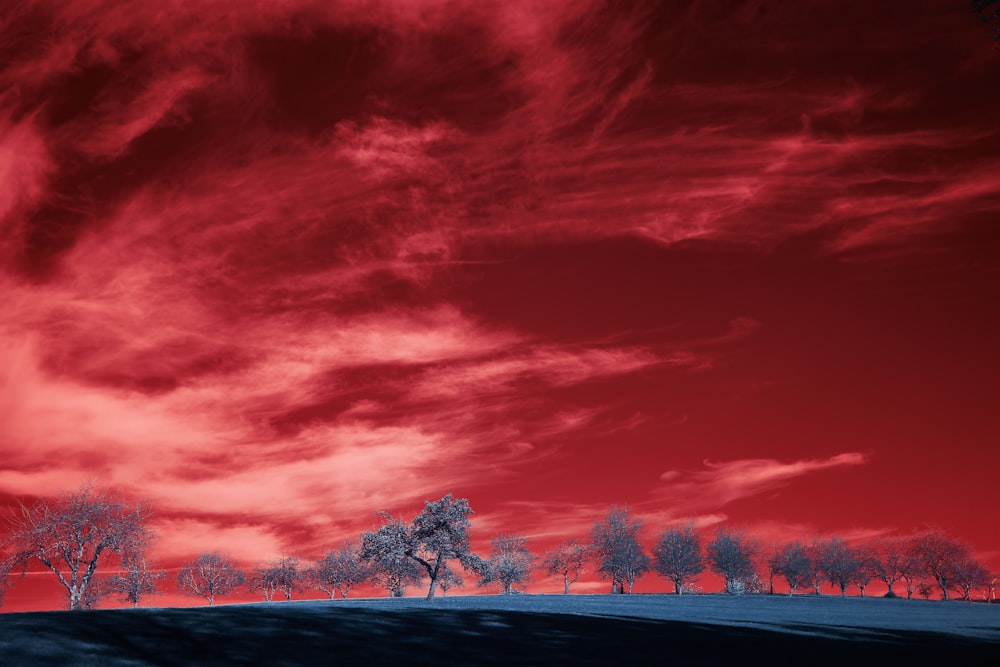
(566, 589)
(433, 587)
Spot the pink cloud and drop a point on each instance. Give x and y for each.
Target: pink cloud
(722, 483)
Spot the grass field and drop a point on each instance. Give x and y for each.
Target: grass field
(514, 630)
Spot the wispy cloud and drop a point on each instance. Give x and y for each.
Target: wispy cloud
(719, 484)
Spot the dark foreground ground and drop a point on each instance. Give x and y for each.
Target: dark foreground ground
(516, 630)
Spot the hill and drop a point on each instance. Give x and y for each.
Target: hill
(511, 630)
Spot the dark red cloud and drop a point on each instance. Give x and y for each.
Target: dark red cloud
(278, 265)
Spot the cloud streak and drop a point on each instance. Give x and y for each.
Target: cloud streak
(722, 483)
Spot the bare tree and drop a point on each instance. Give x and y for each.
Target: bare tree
(136, 580)
(969, 574)
(816, 575)
(74, 533)
(210, 575)
(940, 556)
(616, 545)
(338, 570)
(731, 554)
(989, 589)
(839, 563)
(911, 569)
(384, 550)
(889, 563)
(793, 562)
(565, 560)
(867, 569)
(677, 556)
(509, 564)
(280, 575)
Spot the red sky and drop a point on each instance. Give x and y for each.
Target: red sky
(275, 266)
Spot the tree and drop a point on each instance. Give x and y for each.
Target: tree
(280, 575)
(839, 563)
(74, 533)
(384, 550)
(867, 568)
(910, 568)
(616, 545)
(135, 580)
(448, 579)
(969, 574)
(441, 533)
(338, 570)
(438, 534)
(731, 554)
(211, 574)
(566, 560)
(510, 563)
(794, 563)
(816, 574)
(989, 589)
(940, 556)
(677, 556)
(889, 563)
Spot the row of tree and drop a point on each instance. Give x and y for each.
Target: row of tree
(79, 532)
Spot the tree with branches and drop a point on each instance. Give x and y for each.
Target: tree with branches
(969, 574)
(839, 563)
(566, 561)
(441, 533)
(438, 534)
(384, 552)
(449, 579)
(76, 532)
(209, 576)
(940, 556)
(281, 575)
(732, 555)
(677, 556)
(793, 562)
(615, 543)
(888, 563)
(509, 564)
(339, 570)
(867, 569)
(989, 588)
(135, 580)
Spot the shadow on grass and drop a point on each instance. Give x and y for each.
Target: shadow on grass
(286, 635)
